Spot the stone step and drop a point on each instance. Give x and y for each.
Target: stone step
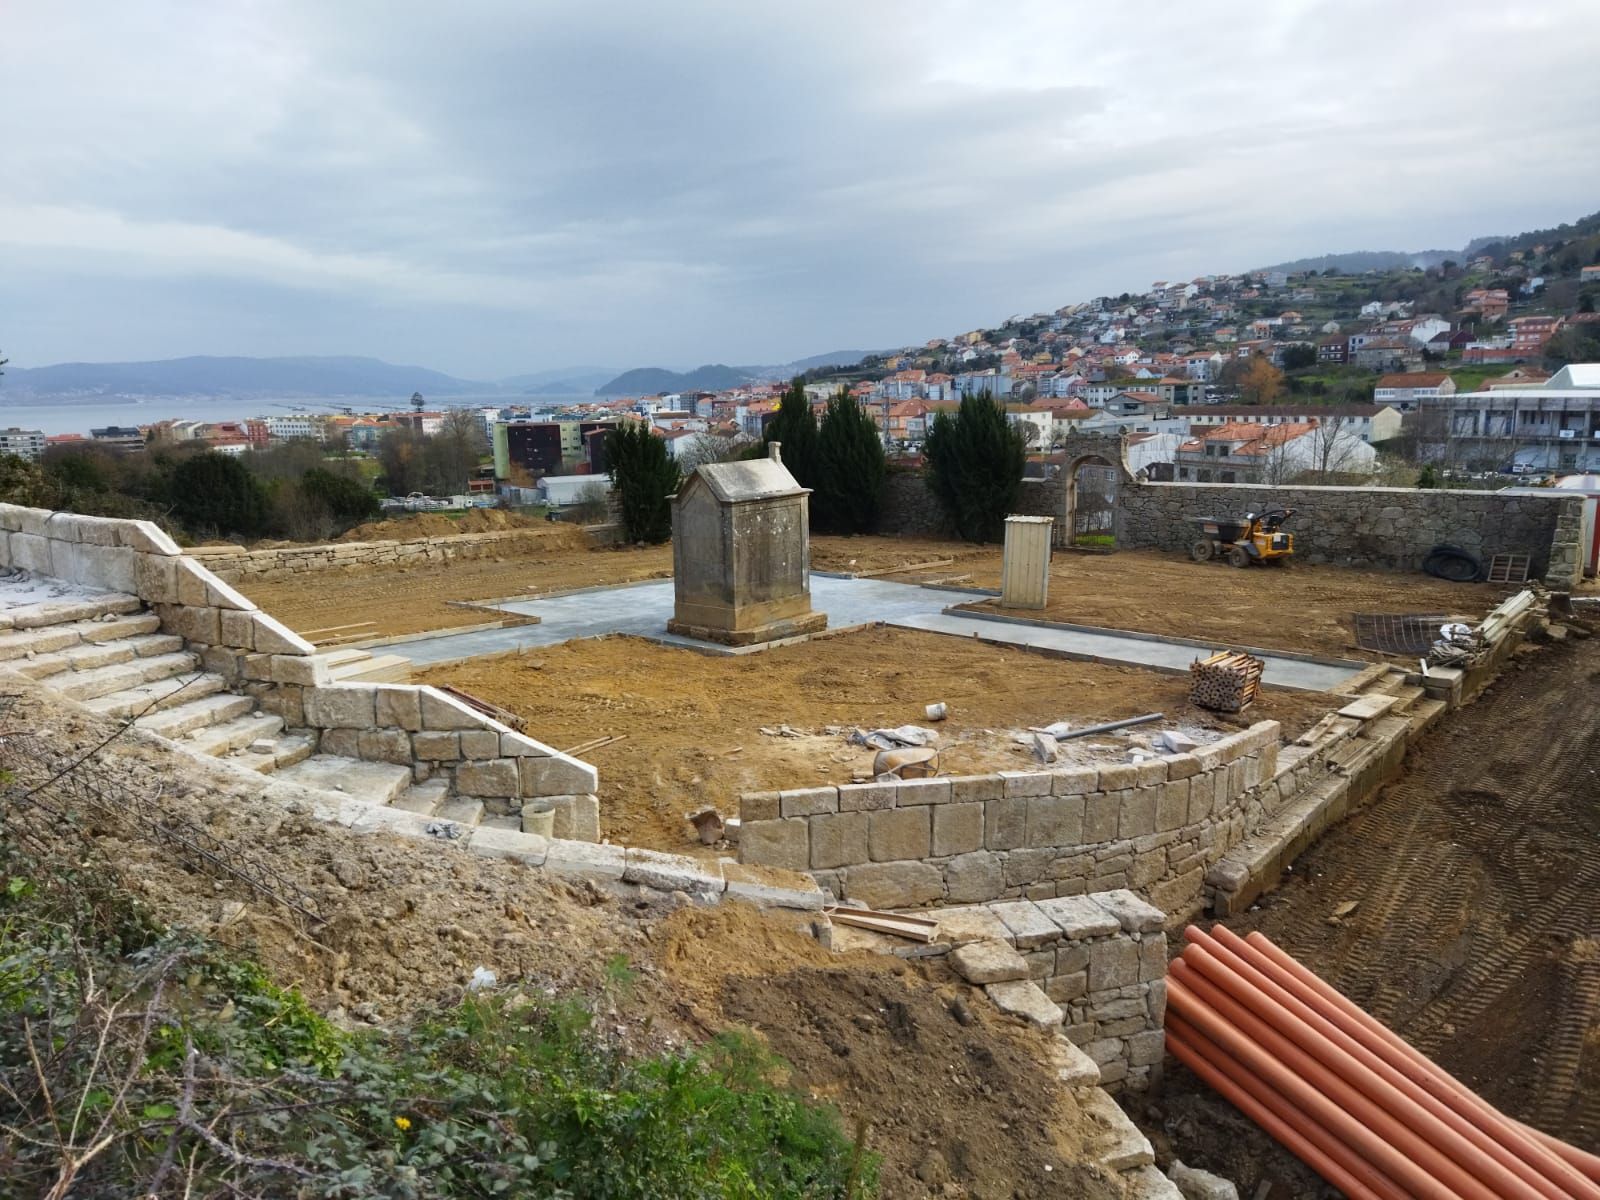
(103, 681)
(374, 668)
(87, 656)
(287, 749)
(65, 612)
(1113, 1139)
(18, 643)
(1406, 698)
(425, 798)
(340, 658)
(368, 782)
(217, 740)
(110, 629)
(196, 713)
(462, 810)
(157, 695)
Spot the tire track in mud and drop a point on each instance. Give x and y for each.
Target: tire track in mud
(1477, 935)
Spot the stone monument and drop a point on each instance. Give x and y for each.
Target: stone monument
(741, 554)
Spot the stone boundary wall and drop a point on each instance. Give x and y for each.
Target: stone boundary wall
(234, 564)
(406, 724)
(1155, 826)
(1386, 527)
(1354, 526)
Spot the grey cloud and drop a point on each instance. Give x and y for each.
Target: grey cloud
(492, 187)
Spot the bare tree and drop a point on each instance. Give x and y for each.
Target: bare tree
(1331, 450)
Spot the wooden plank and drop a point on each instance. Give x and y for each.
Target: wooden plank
(916, 929)
(923, 566)
(305, 633)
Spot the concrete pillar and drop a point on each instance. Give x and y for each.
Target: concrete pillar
(1025, 578)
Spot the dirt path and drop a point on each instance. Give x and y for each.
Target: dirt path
(1477, 935)
(693, 723)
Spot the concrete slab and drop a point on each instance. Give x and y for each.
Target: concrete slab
(643, 609)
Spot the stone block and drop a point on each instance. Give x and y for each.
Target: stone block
(192, 581)
(1064, 989)
(1182, 766)
(672, 873)
(975, 788)
(1079, 917)
(401, 708)
(866, 797)
(519, 846)
(146, 537)
(1027, 783)
(900, 833)
(238, 630)
(385, 745)
(590, 860)
(1006, 823)
(30, 552)
(1075, 781)
(922, 791)
(1194, 1184)
(1113, 963)
(1024, 999)
(1055, 821)
(156, 579)
(1132, 913)
(838, 840)
(1071, 1065)
(759, 806)
(969, 923)
(557, 775)
(1100, 815)
(1153, 958)
(202, 625)
(495, 777)
(1172, 809)
(974, 877)
(520, 745)
(292, 668)
(1138, 814)
(480, 743)
(1116, 776)
(576, 818)
(957, 829)
(892, 884)
(1151, 772)
(339, 706)
(440, 711)
(769, 887)
(272, 636)
(988, 962)
(343, 742)
(436, 747)
(776, 843)
(808, 802)
(1029, 927)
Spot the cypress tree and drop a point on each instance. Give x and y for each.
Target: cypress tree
(645, 477)
(850, 468)
(794, 425)
(975, 464)
(213, 491)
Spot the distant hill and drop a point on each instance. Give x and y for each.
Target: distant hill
(838, 358)
(647, 381)
(206, 376)
(559, 381)
(1359, 261)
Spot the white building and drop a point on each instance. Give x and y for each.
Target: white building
(24, 443)
(288, 426)
(562, 491)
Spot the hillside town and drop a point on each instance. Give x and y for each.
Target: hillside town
(1271, 376)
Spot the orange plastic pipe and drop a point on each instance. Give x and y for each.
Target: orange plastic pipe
(1318, 1149)
(1425, 1140)
(1572, 1168)
(1263, 995)
(1376, 1145)
(1325, 1156)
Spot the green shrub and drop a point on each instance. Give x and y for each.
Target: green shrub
(348, 501)
(975, 464)
(213, 491)
(851, 469)
(645, 478)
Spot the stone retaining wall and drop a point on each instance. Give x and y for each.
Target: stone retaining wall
(910, 510)
(436, 735)
(1155, 826)
(233, 563)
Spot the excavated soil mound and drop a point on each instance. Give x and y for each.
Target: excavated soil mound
(474, 520)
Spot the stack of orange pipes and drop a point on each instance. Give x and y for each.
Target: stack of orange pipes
(1346, 1095)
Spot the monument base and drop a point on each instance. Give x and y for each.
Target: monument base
(772, 631)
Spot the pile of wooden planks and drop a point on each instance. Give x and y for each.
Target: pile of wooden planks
(1227, 681)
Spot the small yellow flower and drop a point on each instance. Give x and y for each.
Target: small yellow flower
(403, 1123)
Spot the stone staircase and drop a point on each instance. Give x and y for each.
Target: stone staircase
(107, 652)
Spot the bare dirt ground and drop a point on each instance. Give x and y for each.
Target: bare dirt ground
(953, 1095)
(416, 599)
(693, 723)
(1301, 607)
(1476, 934)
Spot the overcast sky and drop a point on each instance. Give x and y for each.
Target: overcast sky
(487, 188)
